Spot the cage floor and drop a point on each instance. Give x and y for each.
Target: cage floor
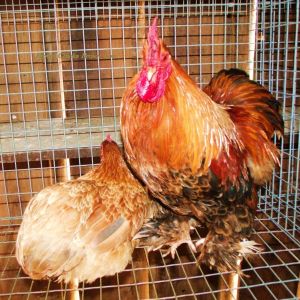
(272, 274)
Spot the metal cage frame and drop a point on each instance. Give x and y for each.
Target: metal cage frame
(63, 68)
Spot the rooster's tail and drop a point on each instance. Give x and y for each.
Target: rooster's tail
(255, 113)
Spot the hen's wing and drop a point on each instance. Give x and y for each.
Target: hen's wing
(63, 220)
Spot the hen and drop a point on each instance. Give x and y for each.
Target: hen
(203, 153)
(82, 229)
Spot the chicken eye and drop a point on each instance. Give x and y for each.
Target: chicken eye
(164, 57)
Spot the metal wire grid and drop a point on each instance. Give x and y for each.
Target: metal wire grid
(58, 105)
(99, 71)
(179, 278)
(278, 69)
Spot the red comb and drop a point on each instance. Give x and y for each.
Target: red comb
(108, 138)
(153, 43)
(152, 34)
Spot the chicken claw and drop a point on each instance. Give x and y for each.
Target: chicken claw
(173, 247)
(166, 232)
(199, 243)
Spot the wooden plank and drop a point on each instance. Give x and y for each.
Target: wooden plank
(55, 139)
(52, 70)
(229, 287)
(142, 273)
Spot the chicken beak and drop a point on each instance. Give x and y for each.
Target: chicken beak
(150, 73)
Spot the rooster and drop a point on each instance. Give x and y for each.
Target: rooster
(82, 229)
(202, 153)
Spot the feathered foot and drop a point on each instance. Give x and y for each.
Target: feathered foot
(166, 232)
(225, 253)
(226, 243)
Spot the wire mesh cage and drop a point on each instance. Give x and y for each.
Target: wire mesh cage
(63, 68)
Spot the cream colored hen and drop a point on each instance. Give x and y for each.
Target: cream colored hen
(82, 229)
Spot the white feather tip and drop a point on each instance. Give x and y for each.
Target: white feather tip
(250, 247)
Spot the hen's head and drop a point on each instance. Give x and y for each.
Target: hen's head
(109, 149)
(156, 69)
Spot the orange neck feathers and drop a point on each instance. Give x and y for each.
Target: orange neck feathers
(184, 129)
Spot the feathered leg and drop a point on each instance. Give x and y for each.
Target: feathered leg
(166, 232)
(227, 241)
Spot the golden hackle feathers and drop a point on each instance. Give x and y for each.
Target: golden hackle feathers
(185, 128)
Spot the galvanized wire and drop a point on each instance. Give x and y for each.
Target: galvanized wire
(87, 71)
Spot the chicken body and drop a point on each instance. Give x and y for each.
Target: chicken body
(202, 153)
(82, 229)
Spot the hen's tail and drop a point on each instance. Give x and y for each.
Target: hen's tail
(255, 112)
